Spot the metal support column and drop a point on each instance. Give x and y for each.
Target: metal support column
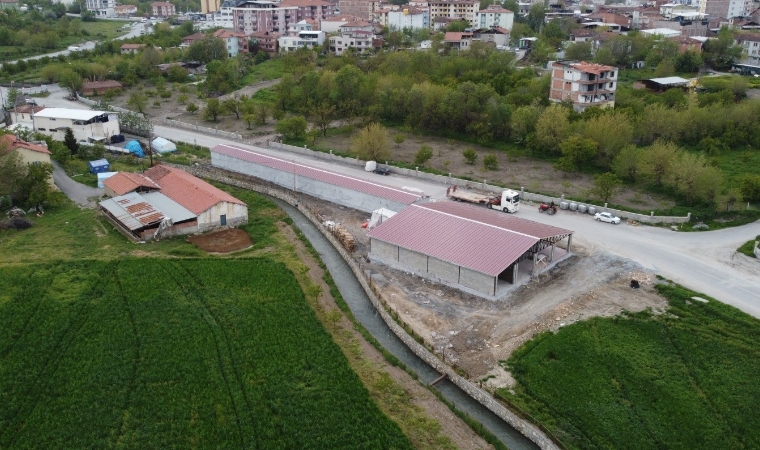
(551, 257)
(569, 242)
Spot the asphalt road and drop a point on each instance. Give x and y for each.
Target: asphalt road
(79, 193)
(703, 261)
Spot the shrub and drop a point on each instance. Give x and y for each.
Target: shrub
(423, 155)
(470, 156)
(491, 162)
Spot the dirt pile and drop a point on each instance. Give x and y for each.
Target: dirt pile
(222, 241)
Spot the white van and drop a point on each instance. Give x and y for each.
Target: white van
(73, 48)
(143, 20)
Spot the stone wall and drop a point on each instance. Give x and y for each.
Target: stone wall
(449, 180)
(483, 397)
(200, 129)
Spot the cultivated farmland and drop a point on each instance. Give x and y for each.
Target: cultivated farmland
(683, 380)
(160, 353)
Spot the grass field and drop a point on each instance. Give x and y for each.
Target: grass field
(106, 343)
(268, 70)
(686, 379)
(748, 248)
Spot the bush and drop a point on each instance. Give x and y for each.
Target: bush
(750, 188)
(165, 94)
(192, 108)
(423, 155)
(470, 156)
(491, 162)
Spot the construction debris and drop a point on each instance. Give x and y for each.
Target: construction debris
(339, 231)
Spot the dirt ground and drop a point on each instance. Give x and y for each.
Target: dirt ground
(451, 426)
(514, 171)
(223, 241)
(476, 334)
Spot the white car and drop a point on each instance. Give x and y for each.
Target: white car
(607, 217)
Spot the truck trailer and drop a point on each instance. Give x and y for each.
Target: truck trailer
(508, 201)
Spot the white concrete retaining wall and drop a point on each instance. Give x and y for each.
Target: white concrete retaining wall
(526, 428)
(204, 130)
(483, 185)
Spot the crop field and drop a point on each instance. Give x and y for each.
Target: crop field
(166, 353)
(682, 380)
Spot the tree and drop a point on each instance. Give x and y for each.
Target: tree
(182, 99)
(552, 128)
(750, 188)
(524, 121)
(59, 152)
(213, 109)
(665, 68)
(611, 131)
(323, 115)
(576, 151)
(536, 16)
(721, 53)
(177, 74)
(71, 142)
(688, 61)
(12, 97)
(138, 101)
(208, 49)
(35, 186)
(470, 156)
(423, 155)
(249, 119)
(694, 179)
(606, 185)
(399, 139)
(192, 108)
(490, 162)
(70, 80)
(11, 169)
(293, 127)
(232, 105)
(371, 143)
(261, 111)
(628, 162)
(659, 158)
(580, 51)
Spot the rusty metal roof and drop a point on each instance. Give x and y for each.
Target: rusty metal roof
(133, 211)
(356, 184)
(468, 236)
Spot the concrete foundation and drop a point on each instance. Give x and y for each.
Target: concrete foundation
(320, 189)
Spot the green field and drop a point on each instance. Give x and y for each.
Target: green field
(108, 344)
(685, 379)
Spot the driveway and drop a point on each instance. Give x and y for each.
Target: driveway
(80, 194)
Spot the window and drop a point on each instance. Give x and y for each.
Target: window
(52, 119)
(41, 129)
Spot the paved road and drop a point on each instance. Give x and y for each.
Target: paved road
(79, 193)
(703, 261)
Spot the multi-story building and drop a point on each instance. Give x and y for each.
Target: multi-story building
(86, 125)
(101, 8)
(232, 41)
(251, 16)
(265, 41)
(725, 8)
(452, 9)
(301, 35)
(223, 16)
(750, 44)
(494, 16)
(359, 8)
(584, 84)
(210, 6)
(411, 18)
(333, 24)
(124, 10)
(163, 9)
(358, 39)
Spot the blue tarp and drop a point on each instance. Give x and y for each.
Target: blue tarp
(134, 147)
(99, 166)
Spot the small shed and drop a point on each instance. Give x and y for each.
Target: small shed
(104, 176)
(162, 145)
(662, 84)
(135, 148)
(99, 166)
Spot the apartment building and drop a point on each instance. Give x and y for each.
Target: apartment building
(494, 16)
(301, 35)
(210, 6)
(413, 18)
(163, 9)
(101, 8)
(725, 8)
(252, 16)
(584, 84)
(358, 39)
(452, 9)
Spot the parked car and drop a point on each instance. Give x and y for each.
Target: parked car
(382, 171)
(607, 217)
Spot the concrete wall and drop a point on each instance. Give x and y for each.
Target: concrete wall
(236, 215)
(449, 180)
(414, 260)
(528, 429)
(443, 270)
(315, 188)
(477, 281)
(31, 157)
(383, 249)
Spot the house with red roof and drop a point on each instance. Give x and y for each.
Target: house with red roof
(170, 201)
(30, 152)
(584, 84)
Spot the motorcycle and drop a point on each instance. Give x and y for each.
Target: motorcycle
(547, 208)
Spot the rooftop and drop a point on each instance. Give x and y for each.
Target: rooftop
(465, 235)
(124, 182)
(131, 46)
(375, 189)
(132, 210)
(13, 142)
(586, 66)
(191, 192)
(73, 114)
(101, 84)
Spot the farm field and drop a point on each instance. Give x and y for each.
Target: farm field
(157, 353)
(682, 380)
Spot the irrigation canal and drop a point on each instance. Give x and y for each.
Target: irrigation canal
(366, 314)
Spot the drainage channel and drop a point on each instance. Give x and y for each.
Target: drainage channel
(366, 314)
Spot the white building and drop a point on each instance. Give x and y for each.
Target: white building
(725, 8)
(412, 18)
(101, 8)
(301, 35)
(360, 40)
(494, 16)
(87, 125)
(750, 44)
(451, 9)
(223, 17)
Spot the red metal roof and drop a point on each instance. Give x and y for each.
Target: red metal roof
(124, 182)
(191, 192)
(499, 219)
(356, 184)
(468, 236)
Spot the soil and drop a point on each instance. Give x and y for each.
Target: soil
(475, 334)
(223, 241)
(514, 171)
(451, 426)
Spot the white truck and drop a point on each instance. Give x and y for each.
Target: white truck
(509, 201)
